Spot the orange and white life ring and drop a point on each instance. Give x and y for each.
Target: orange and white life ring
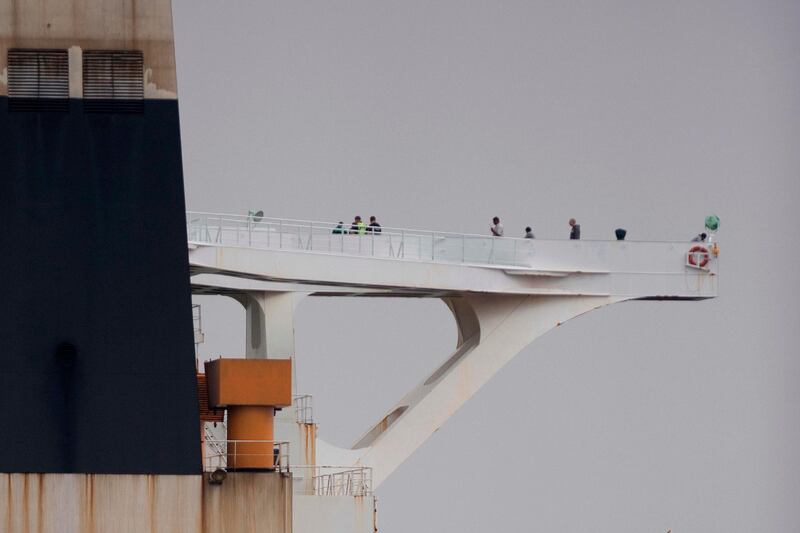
(698, 256)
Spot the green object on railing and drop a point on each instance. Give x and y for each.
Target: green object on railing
(712, 222)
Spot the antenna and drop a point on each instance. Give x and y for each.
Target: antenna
(256, 215)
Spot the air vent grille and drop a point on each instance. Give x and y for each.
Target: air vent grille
(38, 80)
(113, 81)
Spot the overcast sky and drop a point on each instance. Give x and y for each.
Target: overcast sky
(638, 417)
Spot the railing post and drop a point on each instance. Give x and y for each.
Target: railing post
(280, 234)
(463, 248)
(515, 253)
(433, 246)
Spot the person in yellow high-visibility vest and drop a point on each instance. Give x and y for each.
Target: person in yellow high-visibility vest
(358, 226)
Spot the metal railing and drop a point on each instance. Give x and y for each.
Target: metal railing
(249, 454)
(440, 247)
(197, 323)
(333, 480)
(197, 318)
(304, 409)
(346, 239)
(213, 443)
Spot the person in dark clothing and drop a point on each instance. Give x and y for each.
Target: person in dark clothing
(575, 232)
(374, 227)
(339, 229)
(529, 233)
(700, 238)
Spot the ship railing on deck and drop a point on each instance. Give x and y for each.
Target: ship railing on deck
(303, 409)
(233, 454)
(430, 246)
(332, 480)
(197, 323)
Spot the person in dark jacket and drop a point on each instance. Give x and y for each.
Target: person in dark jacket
(575, 232)
(700, 238)
(529, 233)
(374, 227)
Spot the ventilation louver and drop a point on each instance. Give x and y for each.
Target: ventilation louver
(38, 80)
(113, 81)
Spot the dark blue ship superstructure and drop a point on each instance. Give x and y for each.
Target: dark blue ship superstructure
(97, 371)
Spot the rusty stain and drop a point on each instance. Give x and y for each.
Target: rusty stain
(375, 514)
(90, 503)
(309, 433)
(359, 501)
(26, 519)
(9, 504)
(66, 502)
(40, 506)
(151, 492)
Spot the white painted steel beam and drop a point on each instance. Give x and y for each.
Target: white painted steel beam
(492, 330)
(630, 270)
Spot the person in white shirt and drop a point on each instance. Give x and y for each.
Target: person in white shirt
(496, 227)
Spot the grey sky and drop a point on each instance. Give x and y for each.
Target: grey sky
(637, 417)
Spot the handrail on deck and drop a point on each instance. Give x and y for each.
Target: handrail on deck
(385, 242)
(226, 454)
(319, 480)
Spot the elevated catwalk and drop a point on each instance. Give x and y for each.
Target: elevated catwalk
(503, 294)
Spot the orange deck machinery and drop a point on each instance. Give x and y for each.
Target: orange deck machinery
(250, 390)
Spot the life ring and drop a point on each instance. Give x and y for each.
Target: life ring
(694, 251)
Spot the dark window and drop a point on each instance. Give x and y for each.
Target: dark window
(38, 80)
(113, 81)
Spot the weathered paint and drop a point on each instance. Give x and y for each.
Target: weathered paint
(78, 25)
(89, 503)
(334, 514)
(249, 502)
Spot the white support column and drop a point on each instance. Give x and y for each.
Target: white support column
(492, 330)
(270, 323)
